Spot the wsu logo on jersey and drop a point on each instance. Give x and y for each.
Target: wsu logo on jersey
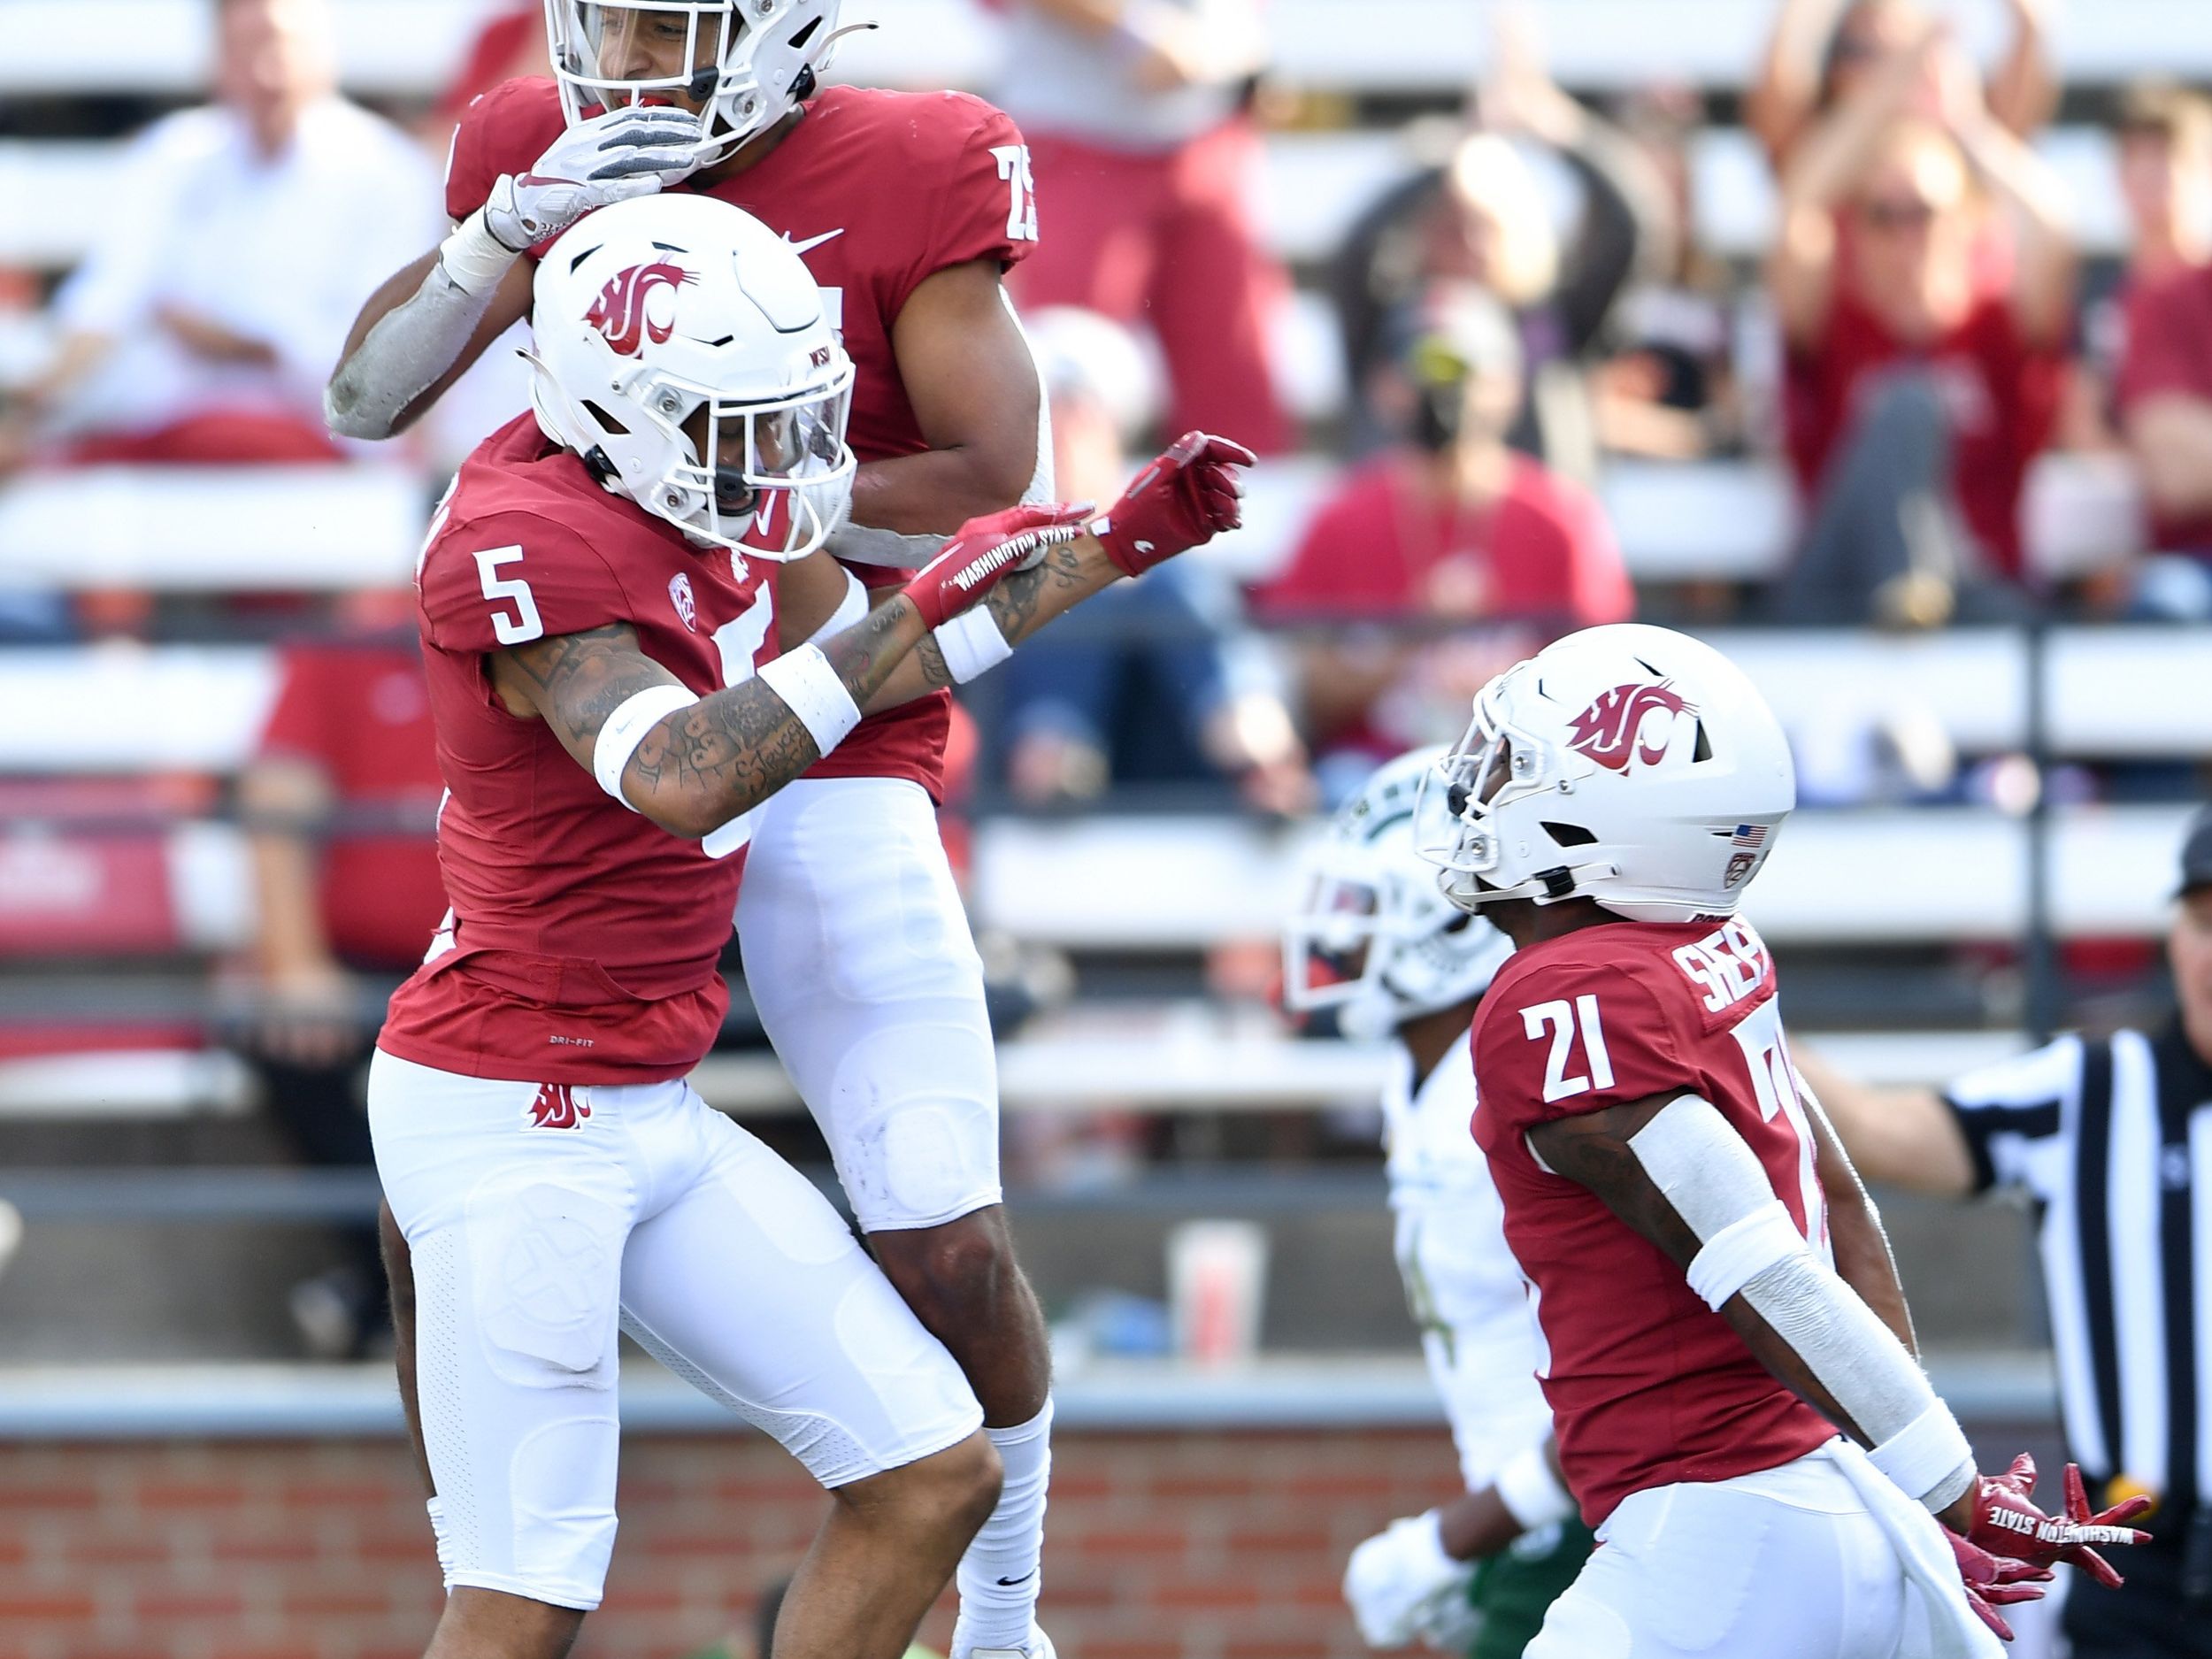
(557, 1108)
(622, 311)
(1611, 729)
(679, 595)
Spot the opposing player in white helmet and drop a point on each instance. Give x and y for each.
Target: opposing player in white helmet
(1722, 1337)
(633, 639)
(1376, 945)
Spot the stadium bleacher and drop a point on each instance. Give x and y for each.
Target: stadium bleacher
(172, 888)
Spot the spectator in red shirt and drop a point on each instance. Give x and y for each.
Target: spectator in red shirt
(1460, 547)
(2164, 393)
(1916, 392)
(341, 805)
(2166, 403)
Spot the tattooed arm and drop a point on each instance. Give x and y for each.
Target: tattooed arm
(1025, 602)
(724, 755)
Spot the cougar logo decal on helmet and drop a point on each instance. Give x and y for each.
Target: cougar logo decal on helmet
(1610, 730)
(620, 312)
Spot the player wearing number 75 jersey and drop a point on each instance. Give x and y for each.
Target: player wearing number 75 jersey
(1722, 1337)
(633, 638)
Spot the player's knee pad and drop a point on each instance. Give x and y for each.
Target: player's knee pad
(545, 1269)
(912, 1123)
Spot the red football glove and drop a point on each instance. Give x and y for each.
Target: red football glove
(2006, 1521)
(1187, 496)
(1992, 1581)
(985, 552)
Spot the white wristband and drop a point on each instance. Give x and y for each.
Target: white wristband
(626, 729)
(474, 260)
(1531, 1491)
(972, 644)
(804, 679)
(1921, 1457)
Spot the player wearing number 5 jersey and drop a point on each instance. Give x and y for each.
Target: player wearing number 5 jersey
(1722, 1340)
(633, 639)
(907, 208)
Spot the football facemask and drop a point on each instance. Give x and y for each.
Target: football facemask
(1373, 939)
(743, 64)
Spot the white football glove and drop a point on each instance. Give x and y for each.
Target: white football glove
(630, 151)
(1401, 1586)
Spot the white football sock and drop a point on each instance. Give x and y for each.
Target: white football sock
(1001, 1574)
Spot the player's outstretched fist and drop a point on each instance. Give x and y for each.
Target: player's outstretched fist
(616, 155)
(2008, 1523)
(1994, 1581)
(1187, 496)
(985, 551)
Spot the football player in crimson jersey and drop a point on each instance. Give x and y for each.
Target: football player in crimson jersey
(633, 638)
(907, 208)
(1721, 1334)
(1376, 944)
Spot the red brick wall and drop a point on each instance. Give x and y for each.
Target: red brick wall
(1197, 1546)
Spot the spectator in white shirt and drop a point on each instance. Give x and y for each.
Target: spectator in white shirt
(240, 240)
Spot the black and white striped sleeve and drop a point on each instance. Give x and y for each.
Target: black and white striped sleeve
(2010, 1115)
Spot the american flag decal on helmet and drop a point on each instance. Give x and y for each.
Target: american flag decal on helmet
(1749, 841)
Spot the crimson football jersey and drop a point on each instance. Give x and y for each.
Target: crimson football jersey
(877, 191)
(583, 937)
(1647, 1385)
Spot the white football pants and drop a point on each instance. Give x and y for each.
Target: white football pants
(1785, 1563)
(859, 956)
(534, 1231)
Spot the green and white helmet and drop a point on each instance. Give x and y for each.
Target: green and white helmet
(1374, 938)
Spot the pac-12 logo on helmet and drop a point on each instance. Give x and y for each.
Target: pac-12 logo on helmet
(623, 312)
(1611, 731)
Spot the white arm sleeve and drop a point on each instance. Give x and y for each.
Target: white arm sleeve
(1707, 1172)
(403, 355)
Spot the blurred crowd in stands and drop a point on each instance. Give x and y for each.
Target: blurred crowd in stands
(1921, 330)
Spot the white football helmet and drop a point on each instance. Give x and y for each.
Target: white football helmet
(684, 353)
(752, 61)
(1375, 940)
(1630, 765)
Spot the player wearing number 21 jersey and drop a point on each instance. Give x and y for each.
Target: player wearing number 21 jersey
(1721, 1335)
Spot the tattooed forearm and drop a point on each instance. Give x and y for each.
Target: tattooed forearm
(713, 760)
(1025, 602)
(725, 754)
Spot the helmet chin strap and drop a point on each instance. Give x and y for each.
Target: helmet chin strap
(1536, 888)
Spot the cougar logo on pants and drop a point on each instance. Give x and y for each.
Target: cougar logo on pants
(556, 1108)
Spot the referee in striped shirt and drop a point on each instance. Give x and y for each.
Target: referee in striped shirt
(2112, 1140)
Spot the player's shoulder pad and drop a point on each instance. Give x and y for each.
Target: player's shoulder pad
(512, 573)
(501, 131)
(1578, 1024)
(926, 126)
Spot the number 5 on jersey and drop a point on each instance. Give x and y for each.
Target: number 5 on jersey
(522, 626)
(1566, 1021)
